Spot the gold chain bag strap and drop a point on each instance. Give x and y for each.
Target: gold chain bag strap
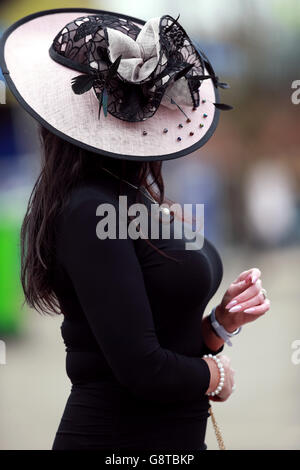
(217, 430)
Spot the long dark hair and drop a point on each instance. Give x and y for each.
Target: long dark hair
(64, 165)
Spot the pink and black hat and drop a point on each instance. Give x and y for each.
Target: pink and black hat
(142, 91)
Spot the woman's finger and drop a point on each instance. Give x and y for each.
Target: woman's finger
(224, 359)
(252, 274)
(252, 291)
(236, 289)
(232, 377)
(251, 302)
(259, 309)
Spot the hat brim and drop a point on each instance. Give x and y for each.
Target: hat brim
(43, 88)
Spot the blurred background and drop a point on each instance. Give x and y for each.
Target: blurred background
(248, 177)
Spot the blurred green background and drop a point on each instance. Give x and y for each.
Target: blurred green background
(248, 177)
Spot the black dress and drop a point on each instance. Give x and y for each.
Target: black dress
(132, 330)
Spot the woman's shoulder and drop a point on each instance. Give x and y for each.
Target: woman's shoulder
(83, 201)
(91, 190)
(78, 221)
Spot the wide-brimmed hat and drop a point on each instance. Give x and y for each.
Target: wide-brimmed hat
(142, 91)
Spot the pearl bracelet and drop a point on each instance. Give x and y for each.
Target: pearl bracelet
(221, 374)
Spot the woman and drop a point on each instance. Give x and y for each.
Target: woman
(141, 358)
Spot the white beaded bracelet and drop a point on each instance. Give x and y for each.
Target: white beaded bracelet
(221, 374)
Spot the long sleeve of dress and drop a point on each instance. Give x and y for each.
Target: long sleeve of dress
(108, 281)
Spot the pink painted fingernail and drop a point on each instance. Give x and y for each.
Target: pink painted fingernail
(231, 303)
(236, 308)
(254, 279)
(250, 310)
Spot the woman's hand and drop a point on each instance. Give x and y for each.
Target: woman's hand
(215, 378)
(243, 301)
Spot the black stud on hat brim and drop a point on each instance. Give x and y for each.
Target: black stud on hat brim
(43, 87)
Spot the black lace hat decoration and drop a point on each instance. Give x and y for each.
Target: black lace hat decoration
(132, 70)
